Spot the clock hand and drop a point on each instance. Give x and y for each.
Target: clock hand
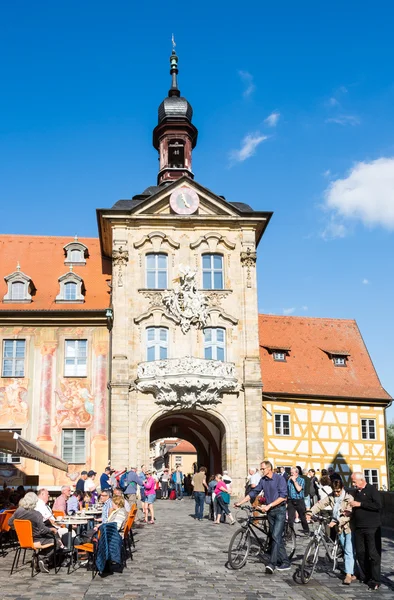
(187, 205)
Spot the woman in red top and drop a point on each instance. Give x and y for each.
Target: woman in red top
(223, 508)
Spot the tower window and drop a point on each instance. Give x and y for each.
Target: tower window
(176, 155)
(214, 343)
(156, 343)
(212, 271)
(156, 271)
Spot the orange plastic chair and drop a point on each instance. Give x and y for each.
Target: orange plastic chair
(58, 513)
(24, 531)
(2, 533)
(89, 548)
(128, 537)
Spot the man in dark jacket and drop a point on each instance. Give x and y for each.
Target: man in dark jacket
(366, 523)
(132, 480)
(81, 481)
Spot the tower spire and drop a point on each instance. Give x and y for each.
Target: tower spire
(174, 91)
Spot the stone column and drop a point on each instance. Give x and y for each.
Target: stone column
(46, 391)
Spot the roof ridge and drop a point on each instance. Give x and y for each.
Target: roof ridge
(307, 317)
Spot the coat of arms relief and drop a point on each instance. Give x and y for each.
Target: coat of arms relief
(185, 302)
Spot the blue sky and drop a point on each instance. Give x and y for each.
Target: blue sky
(294, 102)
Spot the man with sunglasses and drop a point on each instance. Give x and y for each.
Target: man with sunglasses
(106, 499)
(275, 492)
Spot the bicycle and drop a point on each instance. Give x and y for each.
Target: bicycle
(320, 541)
(240, 543)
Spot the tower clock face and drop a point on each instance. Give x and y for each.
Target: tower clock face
(184, 201)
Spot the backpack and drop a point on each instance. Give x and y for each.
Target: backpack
(123, 481)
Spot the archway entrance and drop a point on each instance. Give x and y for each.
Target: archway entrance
(204, 431)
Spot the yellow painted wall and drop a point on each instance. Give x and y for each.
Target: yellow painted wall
(322, 435)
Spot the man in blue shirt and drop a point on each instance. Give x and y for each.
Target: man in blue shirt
(104, 479)
(296, 502)
(275, 492)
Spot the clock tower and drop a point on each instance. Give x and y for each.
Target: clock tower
(174, 136)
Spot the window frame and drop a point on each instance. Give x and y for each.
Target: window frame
(76, 357)
(9, 456)
(14, 358)
(157, 343)
(212, 270)
(156, 270)
(369, 476)
(73, 460)
(277, 353)
(339, 361)
(367, 436)
(281, 426)
(178, 460)
(214, 344)
(71, 277)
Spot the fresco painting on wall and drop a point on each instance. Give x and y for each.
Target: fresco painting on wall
(74, 405)
(13, 402)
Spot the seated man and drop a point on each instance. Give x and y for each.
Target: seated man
(41, 533)
(61, 501)
(47, 514)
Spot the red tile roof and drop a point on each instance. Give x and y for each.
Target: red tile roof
(183, 447)
(42, 259)
(309, 368)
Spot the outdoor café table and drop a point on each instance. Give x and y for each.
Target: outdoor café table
(69, 522)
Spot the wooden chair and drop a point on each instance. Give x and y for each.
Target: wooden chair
(24, 531)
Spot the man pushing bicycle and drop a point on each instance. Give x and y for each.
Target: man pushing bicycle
(275, 492)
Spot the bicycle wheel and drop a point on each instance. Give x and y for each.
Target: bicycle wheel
(289, 537)
(238, 548)
(309, 561)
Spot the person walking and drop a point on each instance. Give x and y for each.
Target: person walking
(199, 483)
(275, 492)
(131, 482)
(211, 493)
(150, 497)
(164, 484)
(223, 499)
(339, 501)
(296, 502)
(366, 522)
(177, 478)
(105, 483)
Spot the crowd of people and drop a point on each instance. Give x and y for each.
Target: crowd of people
(280, 493)
(355, 515)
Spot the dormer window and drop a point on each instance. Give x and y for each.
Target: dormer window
(20, 288)
(71, 289)
(76, 253)
(279, 353)
(339, 361)
(338, 357)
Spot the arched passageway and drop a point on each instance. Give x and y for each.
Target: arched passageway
(201, 429)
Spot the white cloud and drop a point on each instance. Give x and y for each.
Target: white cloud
(366, 194)
(248, 146)
(247, 79)
(327, 173)
(344, 120)
(366, 282)
(334, 229)
(304, 308)
(288, 311)
(272, 119)
(332, 102)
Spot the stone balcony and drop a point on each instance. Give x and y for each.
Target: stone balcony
(187, 382)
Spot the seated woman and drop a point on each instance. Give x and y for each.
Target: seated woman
(41, 533)
(87, 499)
(118, 513)
(338, 501)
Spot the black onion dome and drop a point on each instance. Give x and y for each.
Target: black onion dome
(175, 107)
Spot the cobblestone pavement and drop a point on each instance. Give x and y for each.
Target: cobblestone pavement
(180, 558)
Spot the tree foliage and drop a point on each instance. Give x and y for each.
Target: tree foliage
(390, 453)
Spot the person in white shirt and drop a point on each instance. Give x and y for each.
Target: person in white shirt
(47, 514)
(90, 485)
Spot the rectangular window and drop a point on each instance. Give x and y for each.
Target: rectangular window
(178, 460)
(73, 445)
(282, 424)
(75, 358)
(372, 477)
(368, 429)
(215, 343)
(339, 361)
(13, 459)
(280, 356)
(14, 358)
(212, 271)
(156, 271)
(156, 343)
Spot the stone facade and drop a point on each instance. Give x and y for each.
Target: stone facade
(234, 407)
